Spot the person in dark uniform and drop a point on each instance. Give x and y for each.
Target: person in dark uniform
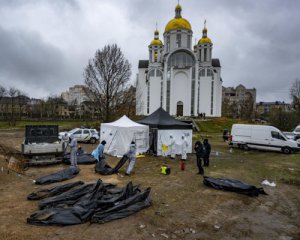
(207, 150)
(199, 153)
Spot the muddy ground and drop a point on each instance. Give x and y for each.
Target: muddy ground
(182, 207)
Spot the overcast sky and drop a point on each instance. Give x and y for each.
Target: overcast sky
(46, 44)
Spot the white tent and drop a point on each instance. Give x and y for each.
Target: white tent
(119, 134)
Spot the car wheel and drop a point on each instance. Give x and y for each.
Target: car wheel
(93, 140)
(286, 150)
(245, 147)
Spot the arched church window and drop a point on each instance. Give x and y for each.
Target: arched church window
(151, 73)
(205, 54)
(202, 73)
(168, 43)
(210, 73)
(212, 98)
(181, 60)
(178, 40)
(158, 73)
(148, 97)
(168, 90)
(155, 56)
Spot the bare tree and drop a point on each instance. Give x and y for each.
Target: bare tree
(2, 94)
(126, 103)
(295, 95)
(226, 108)
(2, 91)
(12, 93)
(105, 76)
(246, 110)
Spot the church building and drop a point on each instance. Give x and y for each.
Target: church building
(182, 79)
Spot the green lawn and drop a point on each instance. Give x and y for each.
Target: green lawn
(214, 125)
(250, 166)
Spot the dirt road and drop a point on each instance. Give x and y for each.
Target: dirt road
(182, 207)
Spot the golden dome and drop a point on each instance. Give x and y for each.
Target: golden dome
(205, 40)
(156, 32)
(178, 23)
(156, 42)
(178, 7)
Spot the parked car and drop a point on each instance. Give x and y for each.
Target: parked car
(290, 135)
(261, 137)
(90, 135)
(297, 132)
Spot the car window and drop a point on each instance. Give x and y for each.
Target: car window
(277, 135)
(297, 129)
(93, 131)
(78, 132)
(86, 132)
(73, 130)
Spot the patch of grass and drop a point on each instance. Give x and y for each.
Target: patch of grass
(214, 125)
(252, 166)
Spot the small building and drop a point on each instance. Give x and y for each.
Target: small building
(75, 95)
(264, 108)
(238, 98)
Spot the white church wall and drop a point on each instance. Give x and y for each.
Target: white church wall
(141, 93)
(155, 91)
(218, 94)
(205, 95)
(180, 91)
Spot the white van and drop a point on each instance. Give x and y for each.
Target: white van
(261, 137)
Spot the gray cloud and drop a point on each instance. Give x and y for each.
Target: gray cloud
(45, 45)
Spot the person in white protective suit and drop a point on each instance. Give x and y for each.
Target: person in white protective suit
(132, 156)
(65, 139)
(73, 154)
(184, 147)
(172, 147)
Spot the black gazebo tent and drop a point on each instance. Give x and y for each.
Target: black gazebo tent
(160, 119)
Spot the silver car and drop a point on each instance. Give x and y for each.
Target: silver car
(88, 135)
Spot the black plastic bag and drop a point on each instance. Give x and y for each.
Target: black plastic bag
(68, 198)
(44, 193)
(233, 186)
(98, 202)
(60, 176)
(123, 208)
(105, 169)
(83, 158)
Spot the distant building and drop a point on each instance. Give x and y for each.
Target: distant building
(75, 95)
(238, 94)
(182, 79)
(238, 98)
(264, 108)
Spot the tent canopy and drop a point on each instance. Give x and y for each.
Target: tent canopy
(162, 120)
(123, 122)
(119, 134)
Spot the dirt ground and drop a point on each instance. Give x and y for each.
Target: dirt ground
(182, 207)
